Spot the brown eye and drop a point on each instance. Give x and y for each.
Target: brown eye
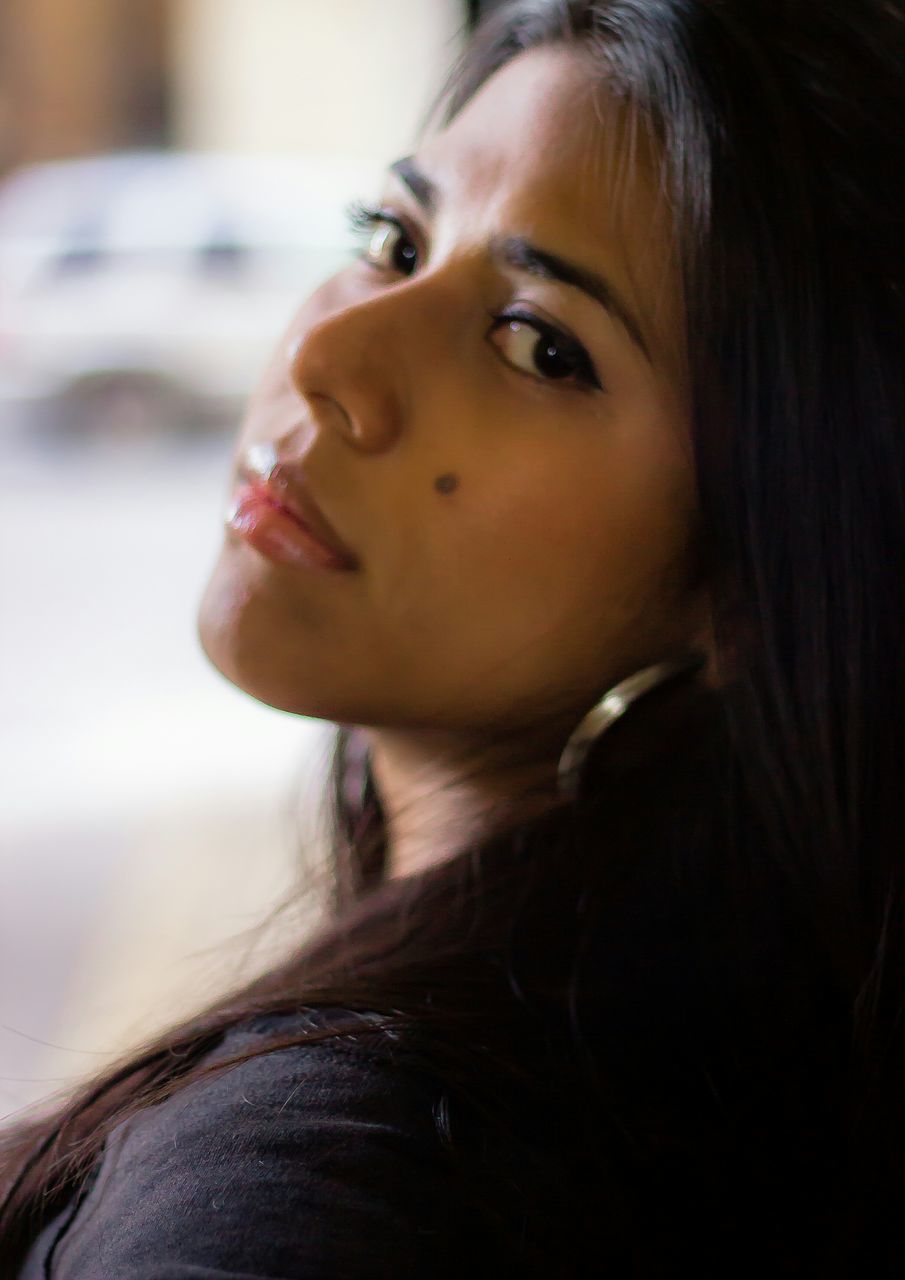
(536, 348)
(390, 247)
(388, 244)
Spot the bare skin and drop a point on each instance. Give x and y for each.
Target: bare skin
(526, 538)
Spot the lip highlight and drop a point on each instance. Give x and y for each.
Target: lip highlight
(285, 484)
(260, 518)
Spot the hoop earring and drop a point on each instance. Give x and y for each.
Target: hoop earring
(614, 703)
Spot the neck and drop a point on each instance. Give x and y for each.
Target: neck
(441, 792)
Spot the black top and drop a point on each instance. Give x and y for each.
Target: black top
(318, 1162)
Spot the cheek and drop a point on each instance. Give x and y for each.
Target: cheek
(599, 527)
(570, 563)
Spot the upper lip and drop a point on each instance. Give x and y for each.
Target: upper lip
(288, 487)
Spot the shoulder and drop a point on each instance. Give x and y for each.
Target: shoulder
(318, 1160)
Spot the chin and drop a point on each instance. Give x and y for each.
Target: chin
(266, 653)
(218, 646)
(234, 636)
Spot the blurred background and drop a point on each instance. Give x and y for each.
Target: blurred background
(173, 175)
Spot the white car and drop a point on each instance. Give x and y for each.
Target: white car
(146, 289)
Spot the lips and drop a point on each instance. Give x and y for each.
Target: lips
(285, 486)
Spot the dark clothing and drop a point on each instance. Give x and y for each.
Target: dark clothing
(324, 1161)
(317, 1162)
(657, 1084)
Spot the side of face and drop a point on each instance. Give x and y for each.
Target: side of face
(519, 492)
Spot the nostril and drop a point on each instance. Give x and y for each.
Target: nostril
(333, 405)
(362, 403)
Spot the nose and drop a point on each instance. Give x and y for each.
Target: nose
(348, 367)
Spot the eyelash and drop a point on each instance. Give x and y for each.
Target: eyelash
(364, 218)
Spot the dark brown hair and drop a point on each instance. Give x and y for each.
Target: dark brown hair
(676, 1001)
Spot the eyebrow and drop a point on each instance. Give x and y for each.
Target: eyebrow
(422, 188)
(521, 255)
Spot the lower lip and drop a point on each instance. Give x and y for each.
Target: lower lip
(271, 530)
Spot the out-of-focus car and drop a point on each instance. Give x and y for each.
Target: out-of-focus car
(145, 290)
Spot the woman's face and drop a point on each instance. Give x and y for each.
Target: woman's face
(518, 494)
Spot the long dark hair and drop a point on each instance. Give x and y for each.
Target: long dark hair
(674, 1005)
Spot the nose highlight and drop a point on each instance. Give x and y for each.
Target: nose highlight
(346, 383)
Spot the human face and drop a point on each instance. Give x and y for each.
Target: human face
(558, 558)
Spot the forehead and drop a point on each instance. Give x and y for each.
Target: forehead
(544, 149)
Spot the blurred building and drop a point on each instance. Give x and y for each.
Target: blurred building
(78, 76)
(82, 76)
(152, 813)
(291, 75)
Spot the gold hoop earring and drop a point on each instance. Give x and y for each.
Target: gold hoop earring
(614, 703)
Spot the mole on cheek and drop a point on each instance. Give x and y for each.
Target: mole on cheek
(446, 483)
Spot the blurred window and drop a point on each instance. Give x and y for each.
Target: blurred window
(224, 254)
(82, 250)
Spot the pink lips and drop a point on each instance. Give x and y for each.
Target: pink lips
(258, 517)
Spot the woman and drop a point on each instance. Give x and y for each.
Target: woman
(606, 421)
